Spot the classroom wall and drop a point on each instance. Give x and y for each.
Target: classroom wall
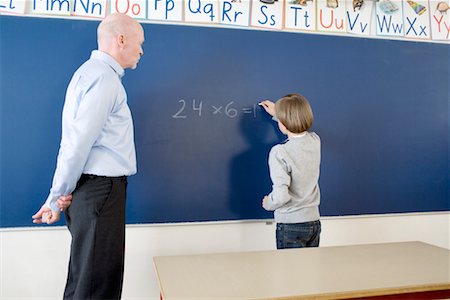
(34, 261)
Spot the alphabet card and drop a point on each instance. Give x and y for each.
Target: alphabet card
(134, 8)
(90, 9)
(359, 16)
(440, 20)
(300, 14)
(46, 7)
(235, 12)
(331, 15)
(12, 6)
(267, 14)
(416, 19)
(389, 18)
(165, 10)
(201, 11)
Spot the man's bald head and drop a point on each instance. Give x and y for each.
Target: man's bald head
(113, 25)
(116, 34)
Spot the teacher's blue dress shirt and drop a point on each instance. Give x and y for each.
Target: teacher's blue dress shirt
(97, 127)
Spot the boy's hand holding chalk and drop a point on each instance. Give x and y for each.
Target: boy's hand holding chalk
(268, 106)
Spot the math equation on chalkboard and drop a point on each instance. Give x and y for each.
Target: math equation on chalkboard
(198, 108)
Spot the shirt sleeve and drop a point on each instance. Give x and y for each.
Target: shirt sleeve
(82, 124)
(281, 180)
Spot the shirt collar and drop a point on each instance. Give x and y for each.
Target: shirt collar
(97, 54)
(298, 135)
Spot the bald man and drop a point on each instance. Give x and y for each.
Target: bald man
(96, 155)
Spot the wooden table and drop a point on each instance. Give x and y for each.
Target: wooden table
(357, 271)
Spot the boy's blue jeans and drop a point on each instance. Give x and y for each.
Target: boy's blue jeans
(298, 235)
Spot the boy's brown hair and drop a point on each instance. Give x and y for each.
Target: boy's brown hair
(294, 111)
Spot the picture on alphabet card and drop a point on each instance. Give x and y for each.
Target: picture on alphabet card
(331, 15)
(416, 19)
(300, 15)
(359, 16)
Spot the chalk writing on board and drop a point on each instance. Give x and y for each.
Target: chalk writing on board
(198, 108)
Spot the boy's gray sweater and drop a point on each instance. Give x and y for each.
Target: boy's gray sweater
(294, 170)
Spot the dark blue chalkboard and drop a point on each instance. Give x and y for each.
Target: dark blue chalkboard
(381, 108)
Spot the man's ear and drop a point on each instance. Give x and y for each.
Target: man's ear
(121, 40)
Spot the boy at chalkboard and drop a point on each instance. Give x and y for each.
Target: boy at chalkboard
(294, 170)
